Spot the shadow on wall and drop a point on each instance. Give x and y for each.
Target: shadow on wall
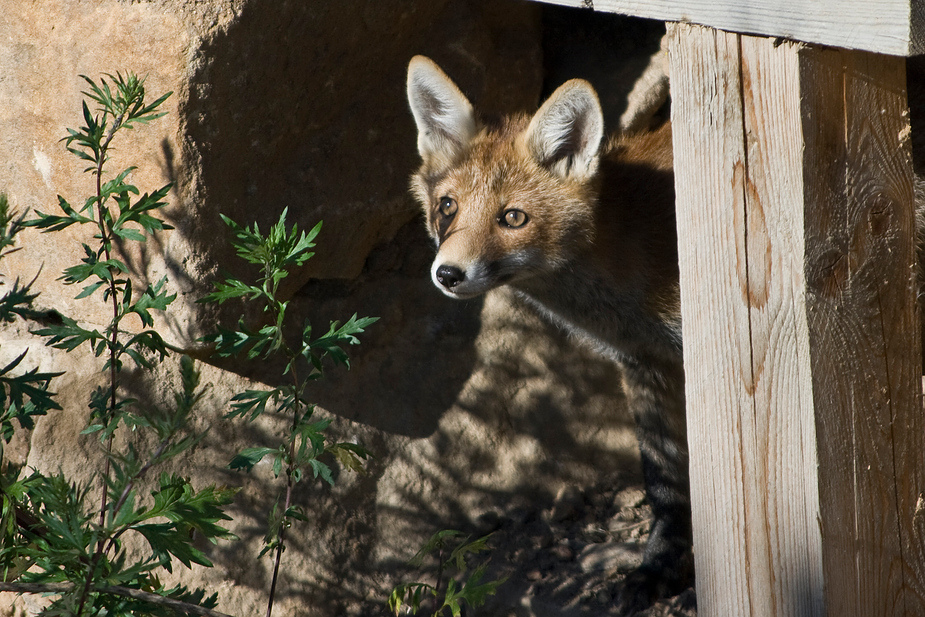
(301, 105)
(608, 50)
(412, 364)
(474, 409)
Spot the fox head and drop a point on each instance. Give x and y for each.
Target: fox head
(508, 201)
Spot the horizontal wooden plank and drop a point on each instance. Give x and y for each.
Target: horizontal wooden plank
(892, 27)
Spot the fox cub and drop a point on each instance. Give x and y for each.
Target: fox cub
(584, 234)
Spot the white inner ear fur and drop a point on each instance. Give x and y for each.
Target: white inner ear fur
(565, 134)
(444, 117)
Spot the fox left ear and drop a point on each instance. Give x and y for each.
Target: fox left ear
(565, 134)
(445, 118)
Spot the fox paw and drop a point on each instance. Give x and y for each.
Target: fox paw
(638, 591)
(645, 586)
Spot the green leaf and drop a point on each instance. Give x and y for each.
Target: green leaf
(450, 599)
(313, 433)
(278, 465)
(296, 513)
(17, 302)
(468, 548)
(92, 266)
(138, 213)
(414, 593)
(147, 341)
(350, 456)
(242, 341)
(187, 510)
(117, 185)
(89, 289)
(437, 541)
(322, 470)
(166, 541)
(253, 402)
(395, 600)
(247, 458)
(129, 234)
(52, 222)
(154, 297)
(200, 510)
(232, 288)
(23, 397)
(472, 592)
(274, 252)
(69, 335)
(336, 336)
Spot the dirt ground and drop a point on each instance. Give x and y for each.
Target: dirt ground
(568, 560)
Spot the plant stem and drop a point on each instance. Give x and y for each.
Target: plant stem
(296, 403)
(439, 580)
(131, 484)
(279, 549)
(97, 556)
(105, 239)
(100, 552)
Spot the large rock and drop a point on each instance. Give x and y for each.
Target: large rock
(473, 410)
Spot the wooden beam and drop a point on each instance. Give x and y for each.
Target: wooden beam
(863, 318)
(885, 26)
(801, 341)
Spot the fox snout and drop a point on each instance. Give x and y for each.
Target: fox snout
(449, 276)
(469, 278)
(457, 282)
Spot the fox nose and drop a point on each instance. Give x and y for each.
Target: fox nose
(450, 276)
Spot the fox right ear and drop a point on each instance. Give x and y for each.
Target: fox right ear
(565, 134)
(445, 119)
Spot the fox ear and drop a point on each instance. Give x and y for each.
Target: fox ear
(565, 134)
(445, 119)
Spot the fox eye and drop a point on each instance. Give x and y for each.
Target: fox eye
(447, 206)
(513, 218)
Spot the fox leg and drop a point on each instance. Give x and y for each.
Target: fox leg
(655, 393)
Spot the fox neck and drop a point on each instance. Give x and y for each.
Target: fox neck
(614, 317)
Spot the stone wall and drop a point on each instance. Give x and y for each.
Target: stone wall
(473, 410)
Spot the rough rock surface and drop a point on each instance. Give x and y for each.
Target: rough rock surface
(479, 415)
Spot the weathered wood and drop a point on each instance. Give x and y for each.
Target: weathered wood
(800, 331)
(707, 196)
(863, 319)
(885, 26)
(741, 488)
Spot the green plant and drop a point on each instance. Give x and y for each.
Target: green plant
(299, 455)
(450, 550)
(22, 396)
(55, 539)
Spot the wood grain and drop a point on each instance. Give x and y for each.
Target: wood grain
(738, 178)
(863, 321)
(715, 376)
(884, 26)
(783, 451)
(800, 330)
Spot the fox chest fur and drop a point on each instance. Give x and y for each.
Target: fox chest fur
(586, 234)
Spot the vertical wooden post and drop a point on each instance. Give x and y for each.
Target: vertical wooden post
(801, 341)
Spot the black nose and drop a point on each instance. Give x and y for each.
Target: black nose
(450, 276)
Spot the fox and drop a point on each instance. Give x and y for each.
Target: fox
(583, 230)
